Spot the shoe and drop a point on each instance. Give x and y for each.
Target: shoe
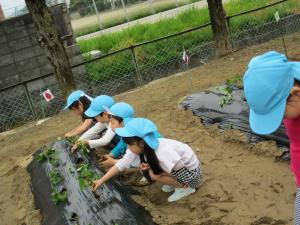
(180, 193)
(167, 188)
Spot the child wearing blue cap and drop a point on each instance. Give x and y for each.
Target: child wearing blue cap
(79, 102)
(119, 114)
(97, 111)
(169, 162)
(272, 90)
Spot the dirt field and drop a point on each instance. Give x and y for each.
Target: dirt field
(243, 184)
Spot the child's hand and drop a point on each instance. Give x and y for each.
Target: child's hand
(144, 166)
(96, 184)
(68, 135)
(74, 148)
(107, 161)
(77, 145)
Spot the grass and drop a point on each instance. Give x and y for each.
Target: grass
(164, 51)
(110, 19)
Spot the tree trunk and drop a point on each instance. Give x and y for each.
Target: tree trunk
(219, 27)
(50, 40)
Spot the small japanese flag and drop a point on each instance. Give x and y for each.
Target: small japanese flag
(48, 96)
(185, 58)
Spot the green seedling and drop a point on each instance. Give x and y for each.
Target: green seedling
(86, 176)
(59, 197)
(47, 154)
(227, 97)
(55, 177)
(82, 147)
(72, 140)
(236, 81)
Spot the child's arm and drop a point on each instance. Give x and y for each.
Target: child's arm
(119, 149)
(121, 165)
(93, 132)
(80, 129)
(103, 141)
(110, 174)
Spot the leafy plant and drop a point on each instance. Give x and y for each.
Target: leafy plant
(72, 139)
(236, 81)
(59, 197)
(83, 148)
(55, 177)
(86, 176)
(227, 96)
(47, 154)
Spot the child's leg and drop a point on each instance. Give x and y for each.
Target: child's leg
(297, 208)
(165, 178)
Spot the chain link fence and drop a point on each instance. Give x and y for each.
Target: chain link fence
(131, 67)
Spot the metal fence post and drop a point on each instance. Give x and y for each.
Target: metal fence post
(98, 16)
(30, 101)
(230, 32)
(137, 69)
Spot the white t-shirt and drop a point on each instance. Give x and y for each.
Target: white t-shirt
(104, 140)
(93, 132)
(172, 155)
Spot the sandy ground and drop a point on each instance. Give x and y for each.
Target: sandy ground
(243, 184)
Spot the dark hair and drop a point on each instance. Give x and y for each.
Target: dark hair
(149, 153)
(85, 101)
(119, 119)
(296, 82)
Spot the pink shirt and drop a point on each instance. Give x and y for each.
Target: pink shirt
(293, 131)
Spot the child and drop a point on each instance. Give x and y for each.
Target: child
(119, 114)
(169, 162)
(97, 111)
(272, 90)
(79, 102)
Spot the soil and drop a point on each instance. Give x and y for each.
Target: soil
(243, 183)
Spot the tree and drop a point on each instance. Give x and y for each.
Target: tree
(49, 39)
(219, 27)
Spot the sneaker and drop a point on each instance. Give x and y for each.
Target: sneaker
(167, 188)
(180, 193)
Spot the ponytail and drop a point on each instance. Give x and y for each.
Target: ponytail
(148, 156)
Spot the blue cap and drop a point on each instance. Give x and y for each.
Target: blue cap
(73, 97)
(140, 127)
(267, 85)
(121, 109)
(98, 104)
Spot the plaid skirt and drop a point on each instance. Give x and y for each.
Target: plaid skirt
(193, 178)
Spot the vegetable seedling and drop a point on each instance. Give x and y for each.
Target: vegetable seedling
(59, 197)
(236, 81)
(83, 149)
(227, 97)
(72, 140)
(47, 154)
(55, 177)
(86, 176)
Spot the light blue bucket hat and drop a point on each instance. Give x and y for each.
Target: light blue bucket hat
(267, 84)
(73, 97)
(121, 109)
(140, 127)
(98, 104)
